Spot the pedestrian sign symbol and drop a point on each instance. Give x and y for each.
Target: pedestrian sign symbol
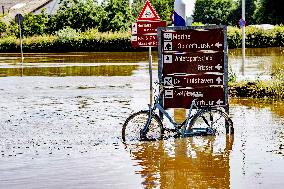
(168, 59)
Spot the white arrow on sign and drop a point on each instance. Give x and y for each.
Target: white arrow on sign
(218, 67)
(218, 45)
(219, 80)
(219, 102)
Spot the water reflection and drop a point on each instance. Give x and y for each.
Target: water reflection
(276, 107)
(106, 70)
(77, 57)
(195, 162)
(261, 63)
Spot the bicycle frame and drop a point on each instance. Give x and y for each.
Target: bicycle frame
(163, 111)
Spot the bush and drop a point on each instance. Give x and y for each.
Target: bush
(234, 37)
(256, 37)
(68, 39)
(8, 44)
(258, 89)
(44, 43)
(3, 28)
(67, 34)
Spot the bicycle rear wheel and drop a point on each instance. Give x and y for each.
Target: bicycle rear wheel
(132, 127)
(215, 121)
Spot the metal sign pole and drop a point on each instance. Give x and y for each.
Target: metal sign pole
(151, 75)
(243, 39)
(21, 42)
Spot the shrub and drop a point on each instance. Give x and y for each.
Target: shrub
(256, 37)
(68, 39)
(258, 89)
(234, 37)
(8, 44)
(3, 27)
(67, 34)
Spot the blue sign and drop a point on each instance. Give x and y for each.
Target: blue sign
(242, 23)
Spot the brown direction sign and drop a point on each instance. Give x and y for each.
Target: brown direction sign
(193, 80)
(193, 40)
(146, 27)
(193, 63)
(144, 41)
(205, 96)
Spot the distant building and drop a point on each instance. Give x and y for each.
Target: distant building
(51, 7)
(12, 7)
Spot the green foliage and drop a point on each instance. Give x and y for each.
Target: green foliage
(236, 13)
(197, 24)
(256, 37)
(164, 8)
(67, 34)
(69, 39)
(77, 14)
(270, 11)
(213, 11)
(279, 36)
(42, 43)
(234, 37)
(118, 16)
(13, 29)
(259, 89)
(232, 77)
(35, 24)
(8, 43)
(3, 27)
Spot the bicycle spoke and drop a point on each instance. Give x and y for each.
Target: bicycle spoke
(214, 119)
(134, 127)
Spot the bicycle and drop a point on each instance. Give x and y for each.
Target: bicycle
(147, 125)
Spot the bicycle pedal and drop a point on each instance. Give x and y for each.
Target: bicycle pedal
(171, 129)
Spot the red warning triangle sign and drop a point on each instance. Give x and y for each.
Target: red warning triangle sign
(148, 13)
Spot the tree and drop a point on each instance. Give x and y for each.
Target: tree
(118, 16)
(270, 12)
(213, 11)
(236, 14)
(35, 24)
(77, 14)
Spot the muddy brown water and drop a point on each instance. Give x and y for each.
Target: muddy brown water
(60, 128)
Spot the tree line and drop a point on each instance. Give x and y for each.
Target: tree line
(117, 15)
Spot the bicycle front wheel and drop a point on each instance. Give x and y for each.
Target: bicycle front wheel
(216, 120)
(132, 128)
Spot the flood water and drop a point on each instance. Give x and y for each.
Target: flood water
(60, 127)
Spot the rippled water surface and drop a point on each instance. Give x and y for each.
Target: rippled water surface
(64, 131)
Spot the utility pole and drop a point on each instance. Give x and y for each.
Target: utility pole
(243, 37)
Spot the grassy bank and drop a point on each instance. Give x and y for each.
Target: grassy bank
(273, 89)
(68, 39)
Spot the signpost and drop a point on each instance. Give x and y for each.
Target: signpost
(20, 19)
(193, 64)
(144, 33)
